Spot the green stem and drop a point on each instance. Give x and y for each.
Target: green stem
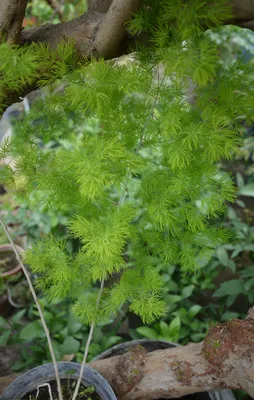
(90, 336)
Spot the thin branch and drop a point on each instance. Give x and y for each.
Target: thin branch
(112, 28)
(90, 336)
(12, 303)
(57, 8)
(44, 324)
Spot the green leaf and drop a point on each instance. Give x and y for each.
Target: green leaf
(164, 328)
(249, 247)
(239, 180)
(97, 334)
(134, 334)
(194, 310)
(58, 354)
(79, 335)
(251, 297)
(249, 284)
(147, 332)
(187, 291)
(95, 349)
(69, 346)
(230, 288)
(231, 213)
(248, 272)
(173, 298)
(232, 266)
(6, 174)
(19, 366)
(237, 249)
(64, 332)
(73, 324)
(174, 326)
(230, 301)
(31, 331)
(222, 256)
(111, 341)
(247, 190)
(105, 321)
(3, 322)
(17, 317)
(4, 337)
(240, 203)
(57, 326)
(228, 315)
(196, 337)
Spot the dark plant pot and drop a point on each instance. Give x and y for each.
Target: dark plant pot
(152, 345)
(45, 373)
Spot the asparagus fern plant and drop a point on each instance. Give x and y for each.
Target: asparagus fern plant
(133, 159)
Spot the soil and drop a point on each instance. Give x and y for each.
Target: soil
(8, 356)
(68, 386)
(5, 307)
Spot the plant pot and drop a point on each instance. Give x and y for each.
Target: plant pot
(152, 345)
(7, 248)
(30, 380)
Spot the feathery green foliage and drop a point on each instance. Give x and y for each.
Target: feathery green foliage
(132, 159)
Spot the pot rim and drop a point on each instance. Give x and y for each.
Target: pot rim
(130, 343)
(29, 380)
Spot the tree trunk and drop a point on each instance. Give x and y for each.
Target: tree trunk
(12, 13)
(224, 360)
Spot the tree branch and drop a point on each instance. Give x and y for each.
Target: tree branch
(224, 360)
(57, 8)
(80, 29)
(103, 25)
(96, 33)
(100, 32)
(112, 28)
